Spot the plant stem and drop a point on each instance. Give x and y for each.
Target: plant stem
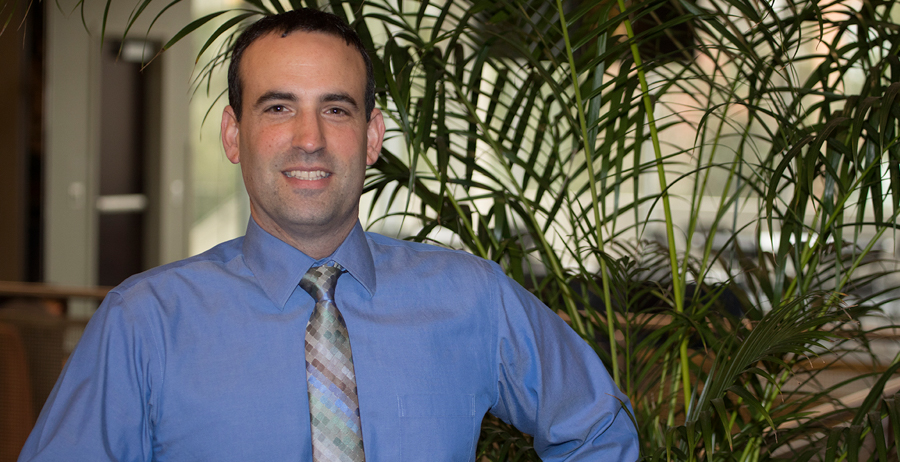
(595, 202)
(677, 278)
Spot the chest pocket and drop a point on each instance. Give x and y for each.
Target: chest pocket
(437, 427)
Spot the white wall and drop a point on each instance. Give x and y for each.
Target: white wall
(72, 132)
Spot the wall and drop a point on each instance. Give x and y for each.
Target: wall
(72, 132)
(16, 89)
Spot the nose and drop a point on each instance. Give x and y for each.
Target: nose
(308, 134)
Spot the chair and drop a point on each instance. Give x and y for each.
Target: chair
(16, 409)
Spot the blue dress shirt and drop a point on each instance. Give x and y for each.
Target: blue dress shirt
(203, 360)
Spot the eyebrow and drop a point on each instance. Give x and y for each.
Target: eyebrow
(275, 96)
(270, 96)
(340, 98)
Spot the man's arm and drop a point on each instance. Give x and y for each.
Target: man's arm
(100, 405)
(553, 386)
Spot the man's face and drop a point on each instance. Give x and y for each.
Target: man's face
(303, 141)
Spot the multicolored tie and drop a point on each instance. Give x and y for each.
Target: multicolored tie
(333, 404)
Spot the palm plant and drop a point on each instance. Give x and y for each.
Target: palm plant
(706, 190)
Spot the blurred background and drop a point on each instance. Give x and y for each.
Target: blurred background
(105, 173)
(111, 166)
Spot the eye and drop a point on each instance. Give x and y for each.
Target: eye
(276, 109)
(336, 111)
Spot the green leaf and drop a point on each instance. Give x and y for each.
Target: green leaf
(194, 25)
(893, 408)
(878, 433)
(831, 447)
(874, 395)
(221, 30)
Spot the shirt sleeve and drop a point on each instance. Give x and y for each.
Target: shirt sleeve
(99, 408)
(553, 386)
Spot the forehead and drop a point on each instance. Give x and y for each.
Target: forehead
(301, 59)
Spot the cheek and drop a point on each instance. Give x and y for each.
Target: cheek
(352, 143)
(270, 140)
(266, 139)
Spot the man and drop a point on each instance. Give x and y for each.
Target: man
(210, 358)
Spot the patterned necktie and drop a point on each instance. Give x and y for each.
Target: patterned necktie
(333, 404)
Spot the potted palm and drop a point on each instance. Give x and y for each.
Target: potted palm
(706, 191)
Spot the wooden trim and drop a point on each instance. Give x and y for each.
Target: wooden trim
(40, 290)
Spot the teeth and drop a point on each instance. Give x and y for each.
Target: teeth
(305, 175)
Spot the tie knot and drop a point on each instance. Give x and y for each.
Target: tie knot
(320, 281)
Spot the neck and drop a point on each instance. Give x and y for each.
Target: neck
(316, 244)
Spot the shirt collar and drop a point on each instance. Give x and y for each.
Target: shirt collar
(278, 266)
(355, 256)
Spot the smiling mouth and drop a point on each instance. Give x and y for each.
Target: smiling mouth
(307, 175)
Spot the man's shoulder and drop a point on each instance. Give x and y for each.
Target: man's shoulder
(208, 263)
(413, 254)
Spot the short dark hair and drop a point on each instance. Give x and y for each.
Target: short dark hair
(302, 19)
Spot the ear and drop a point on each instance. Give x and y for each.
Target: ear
(374, 136)
(231, 135)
